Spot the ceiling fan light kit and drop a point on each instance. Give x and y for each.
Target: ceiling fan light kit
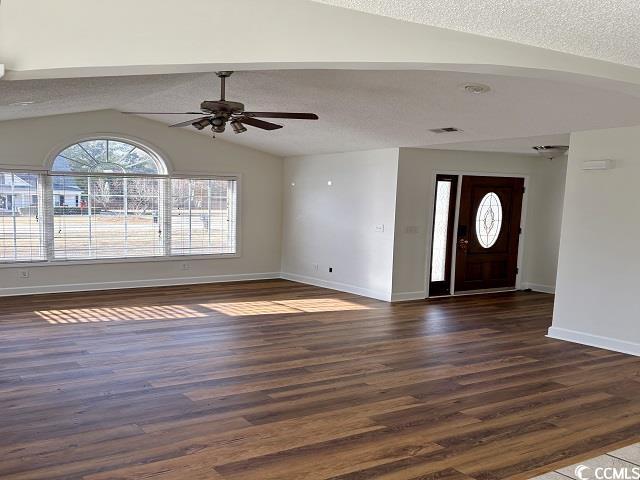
(217, 113)
(238, 127)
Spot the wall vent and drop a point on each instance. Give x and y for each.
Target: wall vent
(445, 130)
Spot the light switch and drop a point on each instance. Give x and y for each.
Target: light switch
(380, 228)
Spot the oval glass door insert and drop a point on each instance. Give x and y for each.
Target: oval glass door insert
(489, 220)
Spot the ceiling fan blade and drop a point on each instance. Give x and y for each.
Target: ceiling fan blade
(188, 122)
(254, 122)
(162, 113)
(298, 116)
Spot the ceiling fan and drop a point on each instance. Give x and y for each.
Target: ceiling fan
(217, 113)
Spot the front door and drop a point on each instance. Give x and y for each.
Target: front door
(488, 233)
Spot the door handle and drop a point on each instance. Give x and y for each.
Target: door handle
(463, 244)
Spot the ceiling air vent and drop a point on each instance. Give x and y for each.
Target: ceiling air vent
(551, 151)
(445, 130)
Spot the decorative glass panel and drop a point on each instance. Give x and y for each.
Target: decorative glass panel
(106, 156)
(440, 230)
(489, 220)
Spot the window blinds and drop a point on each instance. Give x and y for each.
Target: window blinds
(21, 226)
(203, 216)
(114, 216)
(107, 217)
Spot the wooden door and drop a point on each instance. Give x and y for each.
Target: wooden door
(488, 233)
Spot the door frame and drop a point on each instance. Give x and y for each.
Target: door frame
(432, 206)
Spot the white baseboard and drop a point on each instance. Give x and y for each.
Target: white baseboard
(608, 343)
(154, 282)
(537, 287)
(406, 296)
(342, 287)
(163, 282)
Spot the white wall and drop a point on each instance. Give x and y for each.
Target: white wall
(597, 300)
(335, 226)
(416, 181)
(27, 143)
(544, 222)
(329, 226)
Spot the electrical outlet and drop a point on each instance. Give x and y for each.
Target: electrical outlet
(315, 267)
(380, 228)
(23, 274)
(186, 266)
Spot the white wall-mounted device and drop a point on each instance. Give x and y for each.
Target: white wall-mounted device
(598, 165)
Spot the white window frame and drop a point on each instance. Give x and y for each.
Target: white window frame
(47, 209)
(238, 216)
(40, 192)
(49, 213)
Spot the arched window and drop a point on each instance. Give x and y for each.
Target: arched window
(110, 156)
(113, 199)
(108, 198)
(108, 201)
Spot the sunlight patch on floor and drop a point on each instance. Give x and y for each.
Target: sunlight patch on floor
(111, 314)
(173, 312)
(271, 307)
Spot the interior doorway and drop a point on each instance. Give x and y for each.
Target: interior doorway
(476, 233)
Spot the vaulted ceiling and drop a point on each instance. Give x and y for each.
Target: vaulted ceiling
(358, 109)
(603, 29)
(376, 82)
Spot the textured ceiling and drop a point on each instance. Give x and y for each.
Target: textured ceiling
(359, 110)
(603, 29)
(71, 95)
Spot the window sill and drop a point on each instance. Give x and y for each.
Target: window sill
(97, 261)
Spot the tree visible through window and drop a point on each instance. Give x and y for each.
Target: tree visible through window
(108, 198)
(116, 217)
(111, 205)
(203, 216)
(107, 156)
(112, 199)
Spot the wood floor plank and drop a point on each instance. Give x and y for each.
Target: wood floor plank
(278, 380)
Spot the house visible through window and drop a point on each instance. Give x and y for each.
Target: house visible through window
(21, 226)
(113, 199)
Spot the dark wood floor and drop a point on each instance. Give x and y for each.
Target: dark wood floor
(277, 380)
